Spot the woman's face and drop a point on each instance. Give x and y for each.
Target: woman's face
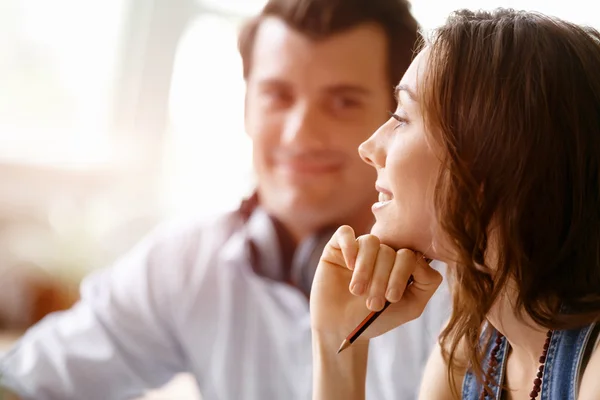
(407, 169)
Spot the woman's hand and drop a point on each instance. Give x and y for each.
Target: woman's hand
(357, 275)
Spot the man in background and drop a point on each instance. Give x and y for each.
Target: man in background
(227, 299)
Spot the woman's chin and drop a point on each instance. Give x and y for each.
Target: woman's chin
(377, 229)
(398, 240)
(386, 237)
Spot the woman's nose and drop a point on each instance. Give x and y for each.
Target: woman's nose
(372, 152)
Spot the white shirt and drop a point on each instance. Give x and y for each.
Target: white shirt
(188, 300)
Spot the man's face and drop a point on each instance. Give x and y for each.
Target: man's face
(309, 104)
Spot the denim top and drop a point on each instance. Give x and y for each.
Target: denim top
(566, 359)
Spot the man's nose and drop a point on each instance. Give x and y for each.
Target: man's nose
(304, 128)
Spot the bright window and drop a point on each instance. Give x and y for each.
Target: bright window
(57, 65)
(237, 7)
(208, 152)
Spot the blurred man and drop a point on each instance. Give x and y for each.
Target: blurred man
(227, 299)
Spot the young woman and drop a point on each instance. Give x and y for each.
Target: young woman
(491, 163)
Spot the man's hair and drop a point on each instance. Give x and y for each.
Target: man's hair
(320, 19)
(512, 101)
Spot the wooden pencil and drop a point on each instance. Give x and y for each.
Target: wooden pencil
(369, 319)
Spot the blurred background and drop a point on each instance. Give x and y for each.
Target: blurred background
(116, 114)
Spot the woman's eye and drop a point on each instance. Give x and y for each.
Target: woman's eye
(401, 121)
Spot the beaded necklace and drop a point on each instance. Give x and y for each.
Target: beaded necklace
(537, 382)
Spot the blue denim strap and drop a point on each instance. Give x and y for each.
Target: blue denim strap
(563, 361)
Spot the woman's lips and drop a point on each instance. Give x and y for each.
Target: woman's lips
(385, 197)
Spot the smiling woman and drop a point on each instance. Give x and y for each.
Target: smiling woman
(406, 166)
(504, 131)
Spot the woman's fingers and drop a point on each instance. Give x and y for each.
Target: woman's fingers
(348, 245)
(368, 247)
(426, 279)
(404, 265)
(379, 272)
(426, 282)
(342, 248)
(380, 277)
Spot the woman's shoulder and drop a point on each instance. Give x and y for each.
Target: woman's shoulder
(437, 383)
(590, 380)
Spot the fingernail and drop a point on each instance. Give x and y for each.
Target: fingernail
(375, 303)
(357, 288)
(393, 294)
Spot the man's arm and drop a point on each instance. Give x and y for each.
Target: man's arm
(115, 342)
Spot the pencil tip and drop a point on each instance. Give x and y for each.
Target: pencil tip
(344, 346)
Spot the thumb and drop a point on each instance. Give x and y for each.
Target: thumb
(426, 281)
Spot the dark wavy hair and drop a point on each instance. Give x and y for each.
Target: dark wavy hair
(513, 100)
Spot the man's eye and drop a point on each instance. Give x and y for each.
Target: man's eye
(276, 97)
(342, 102)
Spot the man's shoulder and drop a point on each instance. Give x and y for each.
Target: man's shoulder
(179, 251)
(184, 241)
(218, 226)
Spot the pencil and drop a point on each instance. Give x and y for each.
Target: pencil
(369, 319)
